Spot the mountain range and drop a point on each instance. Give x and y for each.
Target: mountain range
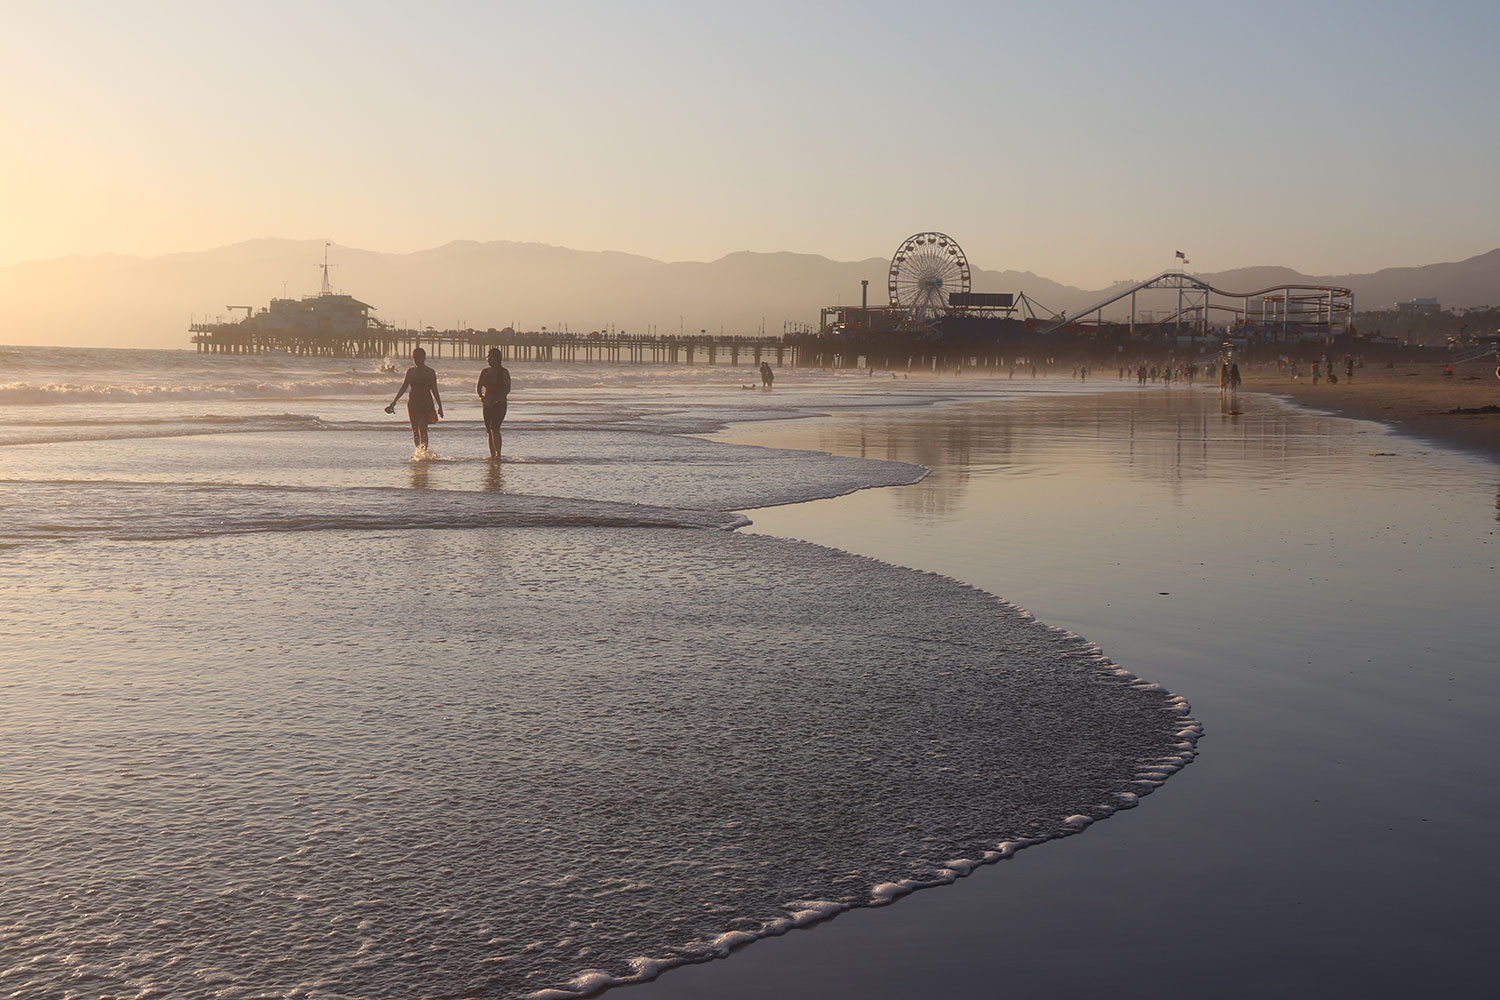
(114, 300)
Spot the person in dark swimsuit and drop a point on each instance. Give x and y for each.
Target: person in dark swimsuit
(425, 404)
(494, 389)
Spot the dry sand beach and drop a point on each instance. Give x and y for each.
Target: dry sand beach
(1461, 410)
(1319, 588)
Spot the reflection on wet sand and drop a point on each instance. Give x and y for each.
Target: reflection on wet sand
(1320, 589)
(493, 482)
(1175, 437)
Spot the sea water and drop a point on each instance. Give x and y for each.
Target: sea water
(287, 710)
(1324, 591)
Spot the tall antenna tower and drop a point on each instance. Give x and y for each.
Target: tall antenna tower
(327, 289)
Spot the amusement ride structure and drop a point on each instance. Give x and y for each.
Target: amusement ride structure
(926, 271)
(1288, 310)
(930, 281)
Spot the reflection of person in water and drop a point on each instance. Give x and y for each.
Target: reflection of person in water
(494, 391)
(425, 404)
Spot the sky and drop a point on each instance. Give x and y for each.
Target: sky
(1085, 142)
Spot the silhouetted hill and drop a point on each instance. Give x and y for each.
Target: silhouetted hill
(1457, 285)
(115, 300)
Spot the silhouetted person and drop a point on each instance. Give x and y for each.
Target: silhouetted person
(494, 391)
(425, 404)
(767, 376)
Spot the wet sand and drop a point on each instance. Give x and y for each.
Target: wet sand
(1416, 399)
(1321, 591)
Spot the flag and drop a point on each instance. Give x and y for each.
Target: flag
(1182, 255)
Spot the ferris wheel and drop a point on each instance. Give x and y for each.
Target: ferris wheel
(926, 269)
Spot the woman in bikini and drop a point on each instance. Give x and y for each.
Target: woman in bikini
(425, 404)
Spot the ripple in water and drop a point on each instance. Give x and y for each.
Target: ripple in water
(513, 761)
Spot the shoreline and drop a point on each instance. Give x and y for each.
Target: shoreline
(1337, 667)
(1414, 399)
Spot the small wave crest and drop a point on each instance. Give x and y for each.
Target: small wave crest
(61, 431)
(51, 393)
(32, 512)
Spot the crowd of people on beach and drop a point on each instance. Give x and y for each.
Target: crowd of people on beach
(1167, 373)
(1322, 369)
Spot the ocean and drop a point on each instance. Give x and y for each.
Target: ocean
(1323, 591)
(291, 711)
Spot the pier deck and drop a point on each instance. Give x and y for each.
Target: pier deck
(233, 338)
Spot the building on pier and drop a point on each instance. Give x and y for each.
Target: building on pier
(328, 323)
(340, 326)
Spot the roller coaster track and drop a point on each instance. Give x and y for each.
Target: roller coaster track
(1472, 354)
(1292, 299)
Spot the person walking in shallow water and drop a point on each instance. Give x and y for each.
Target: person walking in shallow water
(425, 404)
(494, 389)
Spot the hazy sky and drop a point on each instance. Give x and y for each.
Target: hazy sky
(1083, 141)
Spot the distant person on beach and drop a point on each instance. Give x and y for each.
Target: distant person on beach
(767, 376)
(494, 392)
(425, 404)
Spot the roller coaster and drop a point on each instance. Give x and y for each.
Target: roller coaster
(1286, 312)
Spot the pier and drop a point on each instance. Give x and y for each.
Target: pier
(381, 342)
(792, 350)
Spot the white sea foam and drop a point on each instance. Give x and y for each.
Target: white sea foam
(559, 750)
